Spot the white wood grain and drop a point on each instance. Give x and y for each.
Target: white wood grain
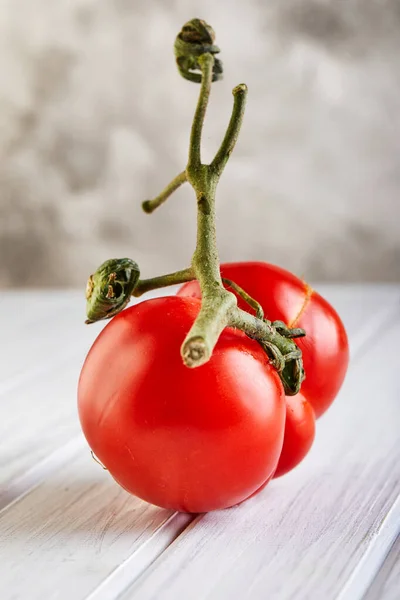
(40, 375)
(40, 331)
(39, 433)
(363, 308)
(22, 484)
(305, 535)
(386, 585)
(36, 419)
(368, 568)
(65, 538)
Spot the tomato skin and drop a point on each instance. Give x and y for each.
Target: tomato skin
(299, 433)
(192, 440)
(285, 297)
(325, 351)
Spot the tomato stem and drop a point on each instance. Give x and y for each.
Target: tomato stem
(232, 133)
(217, 302)
(245, 296)
(219, 306)
(206, 62)
(155, 283)
(111, 286)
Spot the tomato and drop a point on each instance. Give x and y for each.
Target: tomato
(299, 433)
(285, 297)
(192, 440)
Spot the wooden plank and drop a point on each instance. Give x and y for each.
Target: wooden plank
(38, 381)
(48, 424)
(386, 585)
(41, 331)
(36, 419)
(305, 535)
(375, 556)
(68, 535)
(362, 307)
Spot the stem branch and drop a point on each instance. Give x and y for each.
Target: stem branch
(150, 205)
(219, 306)
(245, 296)
(211, 321)
(111, 286)
(206, 62)
(232, 133)
(155, 283)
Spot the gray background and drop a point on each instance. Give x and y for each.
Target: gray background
(94, 118)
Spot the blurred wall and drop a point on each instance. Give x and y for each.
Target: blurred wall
(94, 118)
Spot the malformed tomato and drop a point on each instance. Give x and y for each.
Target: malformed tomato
(299, 433)
(285, 297)
(187, 439)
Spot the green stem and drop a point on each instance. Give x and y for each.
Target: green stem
(212, 319)
(205, 260)
(155, 283)
(206, 62)
(150, 205)
(219, 306)
(217, 302)
(245, 296)
(232, 133)
(283, 353)
(111, 286)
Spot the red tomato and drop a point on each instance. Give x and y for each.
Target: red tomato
(186, 439)
(298, 438)
(287, 298)
(299, 433)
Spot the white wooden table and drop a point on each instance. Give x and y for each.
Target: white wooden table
(328, 530)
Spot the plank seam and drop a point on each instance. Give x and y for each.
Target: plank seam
(125, 575)
(131, 569)
(364, 574)
(31, 479)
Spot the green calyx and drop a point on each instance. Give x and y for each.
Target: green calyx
(110, 288)
(285, 355)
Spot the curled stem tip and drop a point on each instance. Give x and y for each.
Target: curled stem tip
(195, 39)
